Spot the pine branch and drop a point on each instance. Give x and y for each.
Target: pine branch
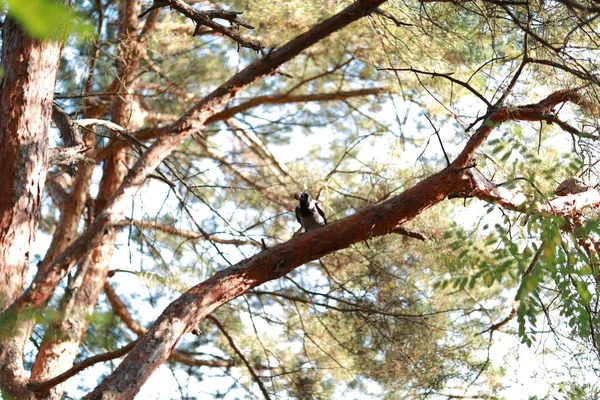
(206, 18)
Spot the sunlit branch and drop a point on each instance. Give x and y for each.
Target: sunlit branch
(497, 116)
(515, 200)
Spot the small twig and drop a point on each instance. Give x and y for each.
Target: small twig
(517, 74)
(513, 310)
(445, 76)
(391, 17)
(437, 133)
(409, 233)
(191, 235)
(239, 353)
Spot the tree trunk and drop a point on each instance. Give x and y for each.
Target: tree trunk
(26, 93)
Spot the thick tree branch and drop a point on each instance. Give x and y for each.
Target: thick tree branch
(515, 200)
(187, 359)
(183, 314)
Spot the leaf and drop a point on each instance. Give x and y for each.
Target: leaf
(46, 19)
(489, 123)
(584, 270)
(488, 279)
(583, 291)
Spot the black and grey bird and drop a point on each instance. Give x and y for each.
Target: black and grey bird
(309, 212)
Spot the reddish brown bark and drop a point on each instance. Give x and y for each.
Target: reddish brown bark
(26, 94)
(25, 105)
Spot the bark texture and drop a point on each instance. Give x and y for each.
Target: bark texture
(26, 93)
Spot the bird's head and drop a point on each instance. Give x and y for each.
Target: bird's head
(302, 196)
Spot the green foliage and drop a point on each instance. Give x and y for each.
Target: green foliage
(47, 19)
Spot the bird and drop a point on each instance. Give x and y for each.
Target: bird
(309, 212)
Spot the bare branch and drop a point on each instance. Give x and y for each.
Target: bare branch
(517, 201)
(391, 17)
(40, 387)
(287, 98)
(184, 233)
(206, 18)
(100, 122)
(447, 76)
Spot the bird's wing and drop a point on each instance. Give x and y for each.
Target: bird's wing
(320, 211)
(298, 215)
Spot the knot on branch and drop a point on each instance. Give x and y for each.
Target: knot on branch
(74, 148)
